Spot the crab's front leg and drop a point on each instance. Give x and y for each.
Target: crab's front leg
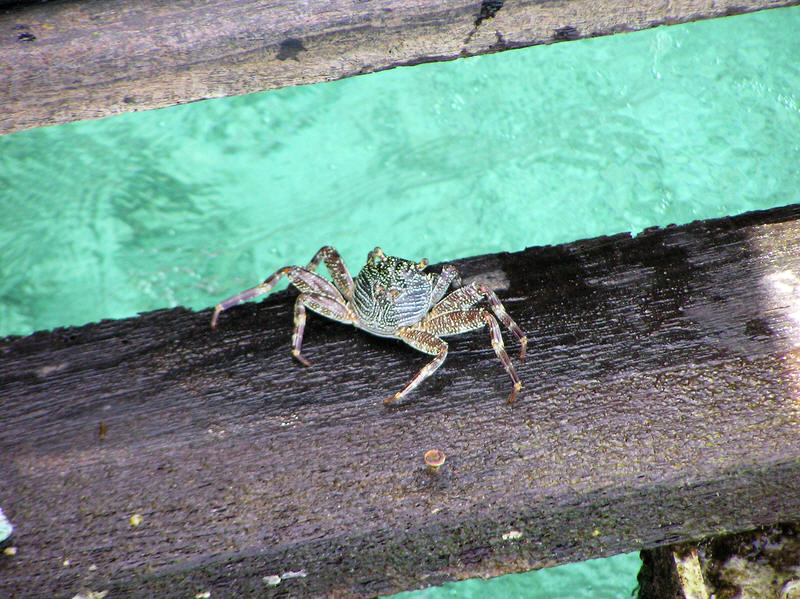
(499, 350)
(424, 342)
(500, 311)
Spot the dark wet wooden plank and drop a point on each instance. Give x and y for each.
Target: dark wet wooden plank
(661, 405)
(62, 61)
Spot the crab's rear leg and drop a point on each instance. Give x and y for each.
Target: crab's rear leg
(425, 342)
(305, 280)
(247, 294)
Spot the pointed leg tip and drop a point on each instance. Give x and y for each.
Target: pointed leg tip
(300, 358)
(390, 400)
(215, 316)
(514, 392)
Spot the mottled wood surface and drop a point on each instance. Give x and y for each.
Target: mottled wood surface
(67, 60)
(662, 404)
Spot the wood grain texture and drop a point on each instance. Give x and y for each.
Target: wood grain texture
(62, 61)
(661, 404)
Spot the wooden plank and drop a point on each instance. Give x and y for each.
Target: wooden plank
(86, 59)
(660, 405)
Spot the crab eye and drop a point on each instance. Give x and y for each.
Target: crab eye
(376, 255)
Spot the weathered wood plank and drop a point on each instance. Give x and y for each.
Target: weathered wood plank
(661, 405)
(85, 59)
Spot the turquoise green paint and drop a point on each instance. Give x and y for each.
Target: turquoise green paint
(612, 578)
(543, 145)
(187, 205)
(5, 527)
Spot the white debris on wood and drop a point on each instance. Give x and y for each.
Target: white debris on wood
(275, 579)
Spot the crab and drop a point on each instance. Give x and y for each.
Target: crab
(396, 298)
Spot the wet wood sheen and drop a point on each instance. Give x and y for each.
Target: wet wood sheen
(661, 404)
(68, 60)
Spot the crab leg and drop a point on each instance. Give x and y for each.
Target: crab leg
(449, 276)
(261, 289)
(425, 342)
(456, 322)
(503, 316)
(499, 349)
(321, 304)
(336, 266)
(460, 300)
(305, 280)
(465, 297)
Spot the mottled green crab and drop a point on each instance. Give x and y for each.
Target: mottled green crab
(393, 297)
